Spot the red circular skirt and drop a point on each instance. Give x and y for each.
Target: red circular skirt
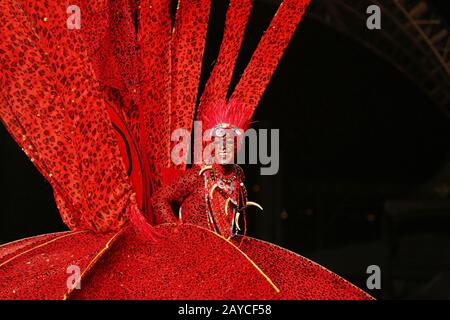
(189, 262)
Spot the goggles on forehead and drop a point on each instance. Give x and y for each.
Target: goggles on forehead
(221, 130)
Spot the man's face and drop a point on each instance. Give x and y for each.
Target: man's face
(225, 146)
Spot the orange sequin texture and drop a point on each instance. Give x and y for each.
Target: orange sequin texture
(93, 109)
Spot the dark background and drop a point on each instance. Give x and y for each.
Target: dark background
(357, 137)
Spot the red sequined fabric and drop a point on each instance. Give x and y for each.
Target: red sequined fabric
(183, 265)
(92, 92)
(41, 270)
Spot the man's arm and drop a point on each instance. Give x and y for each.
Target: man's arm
(173, 193)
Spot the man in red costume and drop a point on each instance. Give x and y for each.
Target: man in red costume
(211, 195)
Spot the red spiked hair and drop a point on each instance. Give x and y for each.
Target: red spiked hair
(232, 112)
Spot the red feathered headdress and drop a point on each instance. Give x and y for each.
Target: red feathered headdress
(226, 115)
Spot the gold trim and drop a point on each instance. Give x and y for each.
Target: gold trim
(233, 245)
(32, 237)
(92, 262)
(312, 262)
(40, 246)
(246, 256)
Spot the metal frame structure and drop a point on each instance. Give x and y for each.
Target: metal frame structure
(413, 37)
